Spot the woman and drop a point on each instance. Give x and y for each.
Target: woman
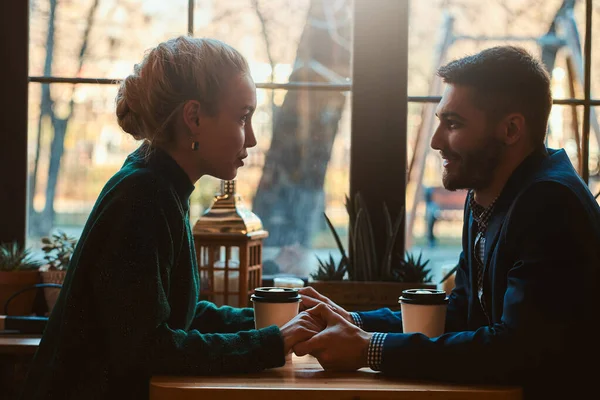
(128, 306)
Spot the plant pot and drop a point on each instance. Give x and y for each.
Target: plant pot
(365, 296)
(13, 281)
(51, 294)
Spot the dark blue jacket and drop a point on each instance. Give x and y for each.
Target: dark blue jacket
(540, 286)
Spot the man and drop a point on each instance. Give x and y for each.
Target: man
(524, 305)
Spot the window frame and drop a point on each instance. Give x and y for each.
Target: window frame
(379, 108)
(14, 24)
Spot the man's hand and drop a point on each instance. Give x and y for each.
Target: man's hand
(342, 346)
(311, 298)
(300, 328)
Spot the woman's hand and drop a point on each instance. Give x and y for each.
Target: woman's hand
(342, 346)
(300, 328)
(311, 298)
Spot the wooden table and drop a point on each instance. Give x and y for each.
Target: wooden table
(19, 344)
(16, 353)
(304, 379)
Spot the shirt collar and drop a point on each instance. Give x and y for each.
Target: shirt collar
(160, 161)
(481, 214)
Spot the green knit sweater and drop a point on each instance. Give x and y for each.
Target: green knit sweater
(128, 308)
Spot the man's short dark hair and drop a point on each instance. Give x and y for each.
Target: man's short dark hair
(506, 79)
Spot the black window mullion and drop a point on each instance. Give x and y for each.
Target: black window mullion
(379, 112)
(190, 29)
(14, 24)
(585, 139)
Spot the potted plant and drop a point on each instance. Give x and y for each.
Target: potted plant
(18, 271)
(58, 250)
(362, 281)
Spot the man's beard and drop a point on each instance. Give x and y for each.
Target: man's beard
(475, 168)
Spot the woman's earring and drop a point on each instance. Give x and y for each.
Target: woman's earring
(195, 145)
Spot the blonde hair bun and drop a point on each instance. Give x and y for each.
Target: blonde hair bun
(175, 71)
(127, 118)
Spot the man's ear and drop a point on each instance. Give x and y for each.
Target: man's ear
(513, 128)
(192, 113)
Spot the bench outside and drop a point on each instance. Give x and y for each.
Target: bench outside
(442, 204)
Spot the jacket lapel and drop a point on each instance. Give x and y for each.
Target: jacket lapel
(512, 188)
(469, 256)
(492, 234)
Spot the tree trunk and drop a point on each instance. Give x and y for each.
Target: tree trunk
(59, 126)
(57, 150)
(45, 110)
(290, 196)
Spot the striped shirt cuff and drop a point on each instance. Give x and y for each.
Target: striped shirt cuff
(375, 351)
(356, 319)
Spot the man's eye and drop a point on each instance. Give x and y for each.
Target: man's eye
(453, 125)
(244, 119)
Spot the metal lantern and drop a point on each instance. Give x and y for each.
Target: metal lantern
(228, 239)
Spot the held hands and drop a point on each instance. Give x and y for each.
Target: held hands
(341, 346)
(326, 331)
(311, 298)
(304, 326)
(299, 329)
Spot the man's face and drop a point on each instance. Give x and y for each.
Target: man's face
(466, 140)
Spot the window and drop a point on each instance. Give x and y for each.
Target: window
(444, 30)
(299, 54)
(390, 59)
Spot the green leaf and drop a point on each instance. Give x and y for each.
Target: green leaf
(335, 236)
(328, 270)
(388, 220)
(368, 241)
(362, 268)
(414, 269)
(449, 274)
(59, 248)
(357, 269)
(13, 257)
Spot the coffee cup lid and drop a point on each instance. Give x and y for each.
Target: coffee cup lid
(275, 295)
(423, 296)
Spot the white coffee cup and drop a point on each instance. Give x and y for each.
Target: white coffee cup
(424, 311)
(275, 306)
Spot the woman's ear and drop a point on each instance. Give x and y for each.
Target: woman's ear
(513, 128)
(191, 115)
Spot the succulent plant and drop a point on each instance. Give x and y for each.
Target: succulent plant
(413, 270)
(58, 248)
(329, 270)
(362, 263)
(16, 258)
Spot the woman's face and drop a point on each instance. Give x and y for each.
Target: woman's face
(224, 138)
